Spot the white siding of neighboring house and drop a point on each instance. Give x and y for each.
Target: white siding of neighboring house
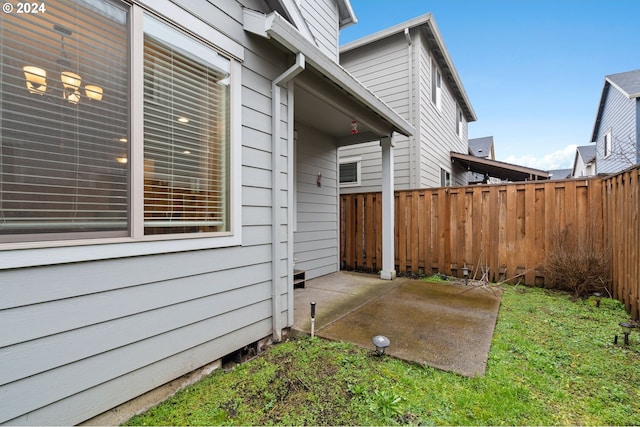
(583, 169)
(80, 338)
(390, 68)
(322, 19)
(619, 116)
(384, 68)
(316, 232)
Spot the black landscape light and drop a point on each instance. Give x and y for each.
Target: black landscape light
(381, 342)
(598, 296)
(465, 274)
(313, 318)
(626, 330)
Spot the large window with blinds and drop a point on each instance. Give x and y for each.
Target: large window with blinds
(64, 115)
(68, 140)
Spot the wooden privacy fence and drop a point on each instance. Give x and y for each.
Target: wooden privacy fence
(621, 212)
(500, 232)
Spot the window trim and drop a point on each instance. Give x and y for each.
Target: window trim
(45, 252)
(358, 161)
(444, 173)
(607, 149)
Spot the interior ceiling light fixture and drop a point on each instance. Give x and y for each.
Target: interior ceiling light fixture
(36, 77)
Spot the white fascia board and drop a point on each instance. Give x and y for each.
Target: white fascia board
(596, 123)
(350, 16)
(414, 22)
(275, 27)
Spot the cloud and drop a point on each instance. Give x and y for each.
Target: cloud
(560, 159)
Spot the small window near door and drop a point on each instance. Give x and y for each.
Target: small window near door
(350, 172)
(445, 178)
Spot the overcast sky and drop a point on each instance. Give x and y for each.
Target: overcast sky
(532, 69)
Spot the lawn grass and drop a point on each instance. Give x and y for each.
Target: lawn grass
(552, 362)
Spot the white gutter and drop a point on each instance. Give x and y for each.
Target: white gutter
(276, 112)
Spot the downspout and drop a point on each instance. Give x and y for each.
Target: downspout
(276, 253)
(415, 170)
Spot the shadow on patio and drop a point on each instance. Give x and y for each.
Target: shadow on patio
(447, 326)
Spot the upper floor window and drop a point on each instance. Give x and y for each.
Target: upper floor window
(459, 122)
(69, 153)
(607, 144)
(436, 86)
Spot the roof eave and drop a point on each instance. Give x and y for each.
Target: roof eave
(274, 26)
(596, 124)
(346, 14)
(510, 166)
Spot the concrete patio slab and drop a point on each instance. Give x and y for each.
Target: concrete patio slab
(447, 326)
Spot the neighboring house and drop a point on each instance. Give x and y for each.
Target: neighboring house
(584, 163)
(409, 68)
(617, 127)
(483, 148)
(484, 169)
(556, 174)
(163, 165)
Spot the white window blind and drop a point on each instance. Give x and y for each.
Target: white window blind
(186, 133)
(64, 117)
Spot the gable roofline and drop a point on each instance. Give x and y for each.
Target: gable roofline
(290, 9)
(346, 14)
(274, 26)
(482, 147)
(628, 83)
(428, 24)
(575, 163)
(596, 125)
(585, 152)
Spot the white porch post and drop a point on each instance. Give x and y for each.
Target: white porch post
(388, 271)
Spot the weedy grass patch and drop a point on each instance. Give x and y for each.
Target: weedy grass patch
(552, 362)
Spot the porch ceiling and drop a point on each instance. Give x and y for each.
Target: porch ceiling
(327, 95)
(321, 105)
